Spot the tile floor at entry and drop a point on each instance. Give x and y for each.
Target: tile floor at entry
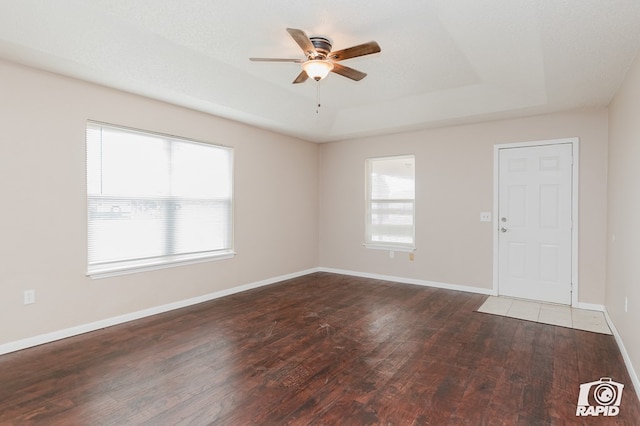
(564, 316)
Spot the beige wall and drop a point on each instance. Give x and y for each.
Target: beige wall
(454, 183)
(42, 172)
(623, 263)
(282, 225)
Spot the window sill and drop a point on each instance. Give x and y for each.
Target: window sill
(125, 268)
(390, 248)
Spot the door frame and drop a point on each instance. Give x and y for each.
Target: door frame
(575, 151)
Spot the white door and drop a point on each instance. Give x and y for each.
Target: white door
(534, 222)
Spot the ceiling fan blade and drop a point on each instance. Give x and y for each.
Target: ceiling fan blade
(348, 72)
(355, 51)
(303, 41)
(301, 78)
(299, 61)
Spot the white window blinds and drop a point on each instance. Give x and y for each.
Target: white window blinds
(390, 202)
(155, 199)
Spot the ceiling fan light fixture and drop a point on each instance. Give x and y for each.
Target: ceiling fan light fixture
(317, 69)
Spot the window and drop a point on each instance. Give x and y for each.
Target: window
(390, 203)
(155, 200)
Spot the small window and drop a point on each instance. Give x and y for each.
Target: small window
(155, 200)
(390, 203)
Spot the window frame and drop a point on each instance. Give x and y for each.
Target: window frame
(391, 246)
(106, 269)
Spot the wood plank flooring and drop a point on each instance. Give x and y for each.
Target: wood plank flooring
(321, 349)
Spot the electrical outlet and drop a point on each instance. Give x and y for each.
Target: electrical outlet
(485, 216)
(392, 254)
(29, 297)
(411, 257)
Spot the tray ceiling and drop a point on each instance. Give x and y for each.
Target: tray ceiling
(442, 62)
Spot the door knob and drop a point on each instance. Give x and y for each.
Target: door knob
(503, 229)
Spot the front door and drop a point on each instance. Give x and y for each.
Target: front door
(534, 222)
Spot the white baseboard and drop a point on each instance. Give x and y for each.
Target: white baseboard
(97, 325)
(625, 355)
(468, 289)
(108, 322)
(590, 307)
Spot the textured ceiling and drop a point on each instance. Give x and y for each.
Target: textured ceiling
(442, 61)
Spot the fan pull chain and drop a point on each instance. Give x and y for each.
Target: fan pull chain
(318, 97)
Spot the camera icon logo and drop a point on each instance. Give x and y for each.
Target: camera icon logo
(601, 397)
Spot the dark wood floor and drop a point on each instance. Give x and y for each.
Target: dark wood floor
(320, 349)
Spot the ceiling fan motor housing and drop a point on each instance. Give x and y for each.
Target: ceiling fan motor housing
(322, 45)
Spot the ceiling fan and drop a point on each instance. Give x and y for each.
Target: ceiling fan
(320, 61)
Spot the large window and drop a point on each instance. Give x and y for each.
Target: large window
(390, 203)
(155, 200)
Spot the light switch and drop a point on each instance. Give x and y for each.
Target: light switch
(485, 216)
